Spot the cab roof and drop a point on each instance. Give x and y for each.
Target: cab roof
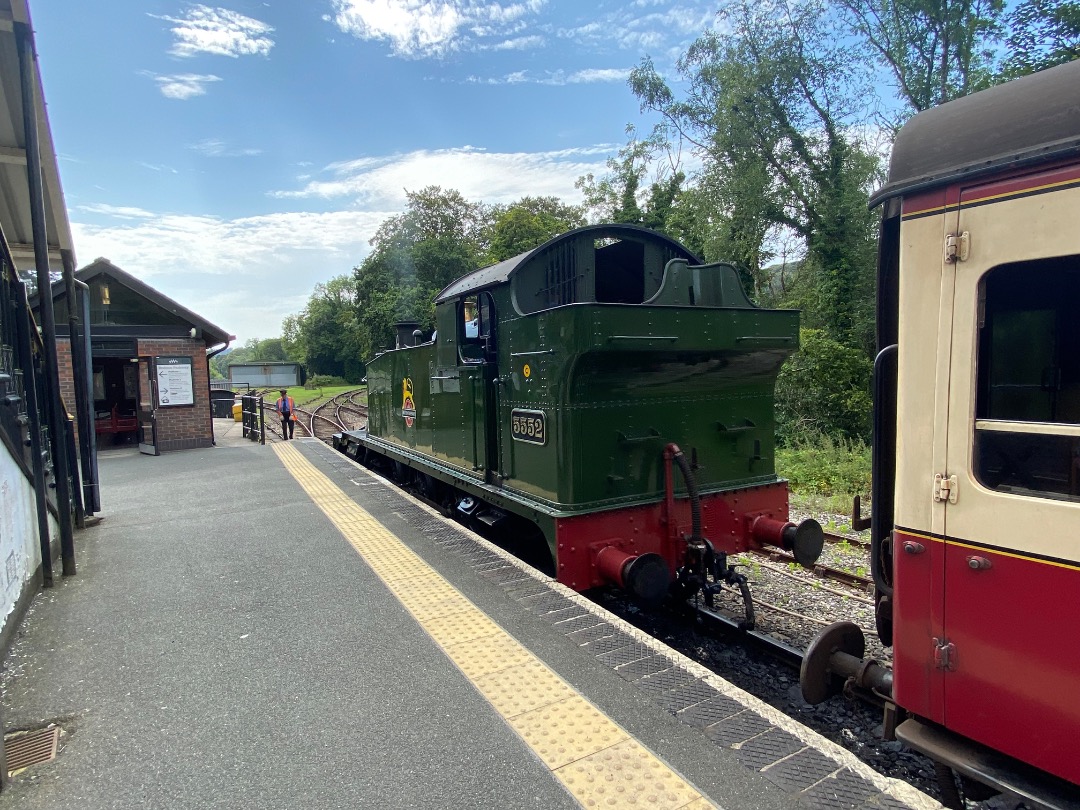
(498, 273)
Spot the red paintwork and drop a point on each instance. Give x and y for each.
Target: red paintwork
(1015, 682)
(928, 201)
(916, 623)
(1046, 179)
(1016, 686)
(1004, 185)
(725, 521)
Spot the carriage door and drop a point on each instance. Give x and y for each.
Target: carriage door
(1011, 503)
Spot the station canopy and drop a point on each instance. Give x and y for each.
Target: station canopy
(15, 205)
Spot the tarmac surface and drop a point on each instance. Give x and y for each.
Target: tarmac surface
(224, 644)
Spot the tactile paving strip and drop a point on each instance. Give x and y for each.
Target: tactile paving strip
(692, 701)
(626, 775)
(594, 758)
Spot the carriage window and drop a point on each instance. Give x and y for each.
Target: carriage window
(476, 316)
(1027, 411)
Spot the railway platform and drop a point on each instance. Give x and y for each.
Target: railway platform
(274, 627)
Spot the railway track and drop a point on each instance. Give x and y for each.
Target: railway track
(341, 412)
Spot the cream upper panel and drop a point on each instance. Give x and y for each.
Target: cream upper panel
(920, 298)
(1039, 226)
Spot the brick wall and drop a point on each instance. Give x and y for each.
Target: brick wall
(183, 427)
(67, 375)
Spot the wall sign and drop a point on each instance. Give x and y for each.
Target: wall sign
(175, 383)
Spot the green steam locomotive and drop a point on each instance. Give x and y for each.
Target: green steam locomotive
(605, 400)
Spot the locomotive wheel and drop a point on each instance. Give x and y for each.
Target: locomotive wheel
(816, 677)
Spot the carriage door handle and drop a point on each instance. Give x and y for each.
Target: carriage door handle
(976, 563)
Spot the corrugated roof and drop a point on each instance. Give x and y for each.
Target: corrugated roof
(14, 189)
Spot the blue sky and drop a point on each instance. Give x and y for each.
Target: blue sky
(234, 156)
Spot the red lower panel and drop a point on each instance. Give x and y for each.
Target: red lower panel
(1016, 681)
(725, 519)
(917, 566)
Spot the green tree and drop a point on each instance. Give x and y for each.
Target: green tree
(1042, 34)
(528, 223)
(774, 110)
(327, 334)
(936, 50)
(439, 237)
(618, 195)
(823, 390)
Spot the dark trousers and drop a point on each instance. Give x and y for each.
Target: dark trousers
(287, 428)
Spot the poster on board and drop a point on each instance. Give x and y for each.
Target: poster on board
(175, 383)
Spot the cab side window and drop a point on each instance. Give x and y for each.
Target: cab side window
(1027, 411)
(476, 322)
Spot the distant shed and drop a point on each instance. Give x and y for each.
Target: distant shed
(267, 375)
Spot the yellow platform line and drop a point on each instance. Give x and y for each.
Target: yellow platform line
(594, 758)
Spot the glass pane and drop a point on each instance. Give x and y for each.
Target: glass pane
(1028, 463)
(1029, 371)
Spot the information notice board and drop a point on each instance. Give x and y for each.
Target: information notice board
(175, 383)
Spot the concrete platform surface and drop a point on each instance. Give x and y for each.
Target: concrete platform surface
(251, 626)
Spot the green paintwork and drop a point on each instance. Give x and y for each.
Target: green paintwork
(695, 364)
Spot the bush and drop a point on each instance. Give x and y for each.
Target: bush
(823, 390)
(324, 380)
(826, 466)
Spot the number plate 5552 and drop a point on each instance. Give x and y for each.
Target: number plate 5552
(528, 426)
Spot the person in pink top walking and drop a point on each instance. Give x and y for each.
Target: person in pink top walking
(286, 409)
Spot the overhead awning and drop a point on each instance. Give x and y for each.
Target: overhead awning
(15, 212)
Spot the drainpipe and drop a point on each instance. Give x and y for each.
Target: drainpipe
(61, 467)
(210, 355)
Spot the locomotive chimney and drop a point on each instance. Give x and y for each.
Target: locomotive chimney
(405, 331)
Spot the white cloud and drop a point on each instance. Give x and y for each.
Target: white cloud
(245, 275)
(218, 31)
(183, 86)
(158, 167)
(215, 147)
(558, 77)
(629, 28)
(519, 44)
(120, 211)
(418, 28)
(479, 175)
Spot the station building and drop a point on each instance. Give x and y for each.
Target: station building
(149, 361)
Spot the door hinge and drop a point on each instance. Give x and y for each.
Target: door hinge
(945, 487)
(944, 655)
(957, 246)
